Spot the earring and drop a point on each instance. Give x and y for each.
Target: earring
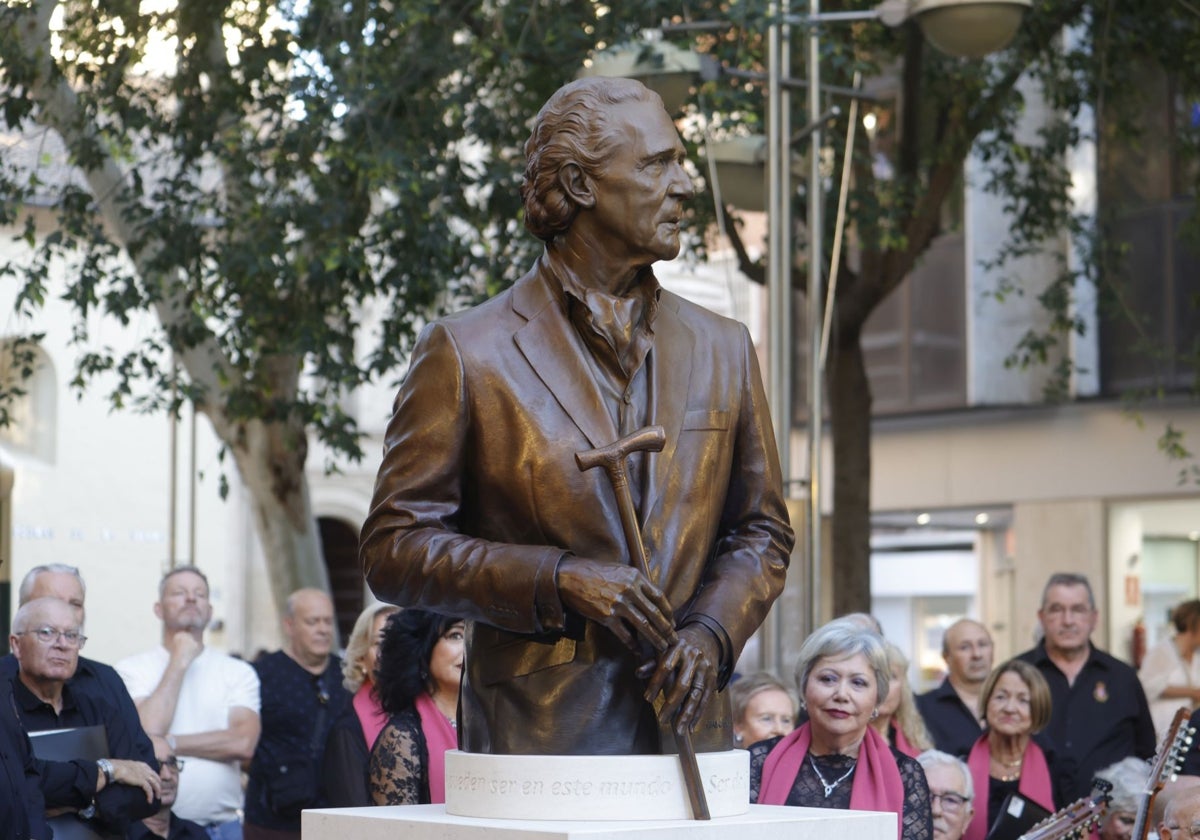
(875, 713)
(737, 738)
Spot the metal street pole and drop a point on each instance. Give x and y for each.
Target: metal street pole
(816, 260)
(779, 293)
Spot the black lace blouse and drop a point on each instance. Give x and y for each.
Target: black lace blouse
(399, 767)
(809, 791)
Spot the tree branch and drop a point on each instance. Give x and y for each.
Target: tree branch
(59, 110)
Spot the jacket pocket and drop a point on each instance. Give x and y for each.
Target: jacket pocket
(519, 656)
(703, 418)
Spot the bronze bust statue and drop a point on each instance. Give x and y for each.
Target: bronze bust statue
(481, 511)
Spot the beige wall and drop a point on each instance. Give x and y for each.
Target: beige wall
(1049, 537)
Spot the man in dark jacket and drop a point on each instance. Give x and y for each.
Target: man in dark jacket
(91, 678)
(45, 640)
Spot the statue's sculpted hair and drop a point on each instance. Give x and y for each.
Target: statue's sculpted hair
(572, 127)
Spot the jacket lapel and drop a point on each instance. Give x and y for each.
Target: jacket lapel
(554, 351)
(670, 383)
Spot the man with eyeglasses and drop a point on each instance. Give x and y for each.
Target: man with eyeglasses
(46, 640)
(97, 680)
(302, 696)
(951, 793)
(166, 823)
(1100, 714)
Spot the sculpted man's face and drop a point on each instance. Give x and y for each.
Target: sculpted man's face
(639, 199)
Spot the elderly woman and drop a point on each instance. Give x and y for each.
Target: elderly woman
(420, 669)
(344, 770)
(835, 759)
(1129, 778)
(898, 719)
(1015, 700)
(762, 708)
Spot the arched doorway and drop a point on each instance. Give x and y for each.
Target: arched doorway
(339, 541)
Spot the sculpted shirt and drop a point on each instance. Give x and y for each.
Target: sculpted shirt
(1099, 720)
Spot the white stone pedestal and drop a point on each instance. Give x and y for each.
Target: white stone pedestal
(431, 822)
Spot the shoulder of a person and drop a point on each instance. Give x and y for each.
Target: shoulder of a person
(906, 763)
(694, 313)
(146, 658)
(939, 692)
(1111, 662)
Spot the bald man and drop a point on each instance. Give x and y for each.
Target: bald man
(302, 696)
(951, 710)
(1181, 821)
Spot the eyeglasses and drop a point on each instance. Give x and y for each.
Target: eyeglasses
(174, 762)
(951, 802)
(49, 635)
(1191, 831)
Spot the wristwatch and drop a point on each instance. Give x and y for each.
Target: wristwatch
(106, 767)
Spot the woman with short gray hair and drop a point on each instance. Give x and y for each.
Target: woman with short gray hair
(835, 759)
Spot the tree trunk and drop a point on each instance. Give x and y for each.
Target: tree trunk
(850, 427)
(270, 459)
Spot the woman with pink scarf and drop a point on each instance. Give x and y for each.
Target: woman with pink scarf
(836, 759)
(344, 769)
(1016, 704)
(420, 668)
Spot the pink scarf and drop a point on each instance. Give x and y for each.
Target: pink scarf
(876, 785)
(439, 737)
(903, 744)
(370, 714)
(1034, 783)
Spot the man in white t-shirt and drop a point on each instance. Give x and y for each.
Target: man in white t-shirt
(204, 703)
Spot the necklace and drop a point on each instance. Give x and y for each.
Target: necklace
(1011, 765)
(829, 788)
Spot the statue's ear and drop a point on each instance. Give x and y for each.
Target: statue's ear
(577, 185)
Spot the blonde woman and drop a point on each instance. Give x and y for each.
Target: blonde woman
(354, 733)
(898, 720)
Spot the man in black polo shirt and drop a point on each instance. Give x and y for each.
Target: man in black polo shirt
(95, 679)
(951, 711)
(1100, 714)
(46, 640)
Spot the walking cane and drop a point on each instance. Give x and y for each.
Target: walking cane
(612, 459)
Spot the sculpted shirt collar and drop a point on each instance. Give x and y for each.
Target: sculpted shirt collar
(625, 323)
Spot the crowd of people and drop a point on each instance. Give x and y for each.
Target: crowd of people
(305, 728)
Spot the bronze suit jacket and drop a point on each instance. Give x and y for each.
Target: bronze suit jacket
(479, 497)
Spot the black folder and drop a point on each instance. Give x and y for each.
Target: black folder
(86, 743)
